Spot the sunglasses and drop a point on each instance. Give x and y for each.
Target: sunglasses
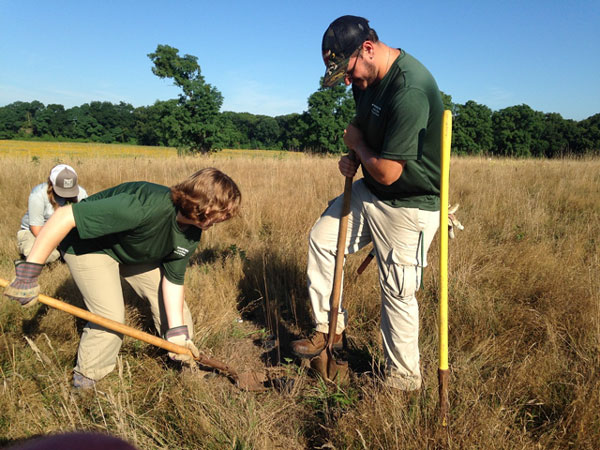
(350, 73)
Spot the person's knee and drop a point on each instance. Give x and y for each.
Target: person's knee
(115, 313)
(316, 239)
(24, 248)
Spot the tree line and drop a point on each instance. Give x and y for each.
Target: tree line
(194, 122)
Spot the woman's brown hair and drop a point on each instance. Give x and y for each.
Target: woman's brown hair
(208, 193)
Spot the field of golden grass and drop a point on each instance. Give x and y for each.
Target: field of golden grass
(40, 149)
(524, 320)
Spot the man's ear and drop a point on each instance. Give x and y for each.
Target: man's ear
(369, 49)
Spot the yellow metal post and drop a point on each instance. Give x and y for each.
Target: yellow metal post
(443, 371)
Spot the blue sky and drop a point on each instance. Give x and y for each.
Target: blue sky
(264, 56)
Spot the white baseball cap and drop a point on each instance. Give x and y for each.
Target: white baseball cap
(64, 181)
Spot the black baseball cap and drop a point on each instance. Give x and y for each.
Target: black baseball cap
(344, 36)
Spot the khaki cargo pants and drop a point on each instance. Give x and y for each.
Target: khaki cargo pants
(398, 236)
(98, 277)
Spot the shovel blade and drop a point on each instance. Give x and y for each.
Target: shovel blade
(330, 368)
(251, 381)
(337, 370)
(319, 364)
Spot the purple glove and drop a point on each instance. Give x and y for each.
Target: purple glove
(24, 287)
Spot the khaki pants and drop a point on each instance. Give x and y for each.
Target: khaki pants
(25, 241)
(398, 234)
(98, 277)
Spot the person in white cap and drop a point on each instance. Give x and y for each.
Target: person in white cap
(61, 188)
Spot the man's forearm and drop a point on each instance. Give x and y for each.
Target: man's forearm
(384, 171)
(173, 296)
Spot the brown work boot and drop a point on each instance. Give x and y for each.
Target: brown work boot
(315, 344)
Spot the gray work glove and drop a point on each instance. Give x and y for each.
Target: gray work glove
(180, 336)
(24, 287)
(453, 223)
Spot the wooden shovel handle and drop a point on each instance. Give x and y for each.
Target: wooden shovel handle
(334, 302)
(129, 331)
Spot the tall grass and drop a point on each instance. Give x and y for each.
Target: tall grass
(43, 149)
(524, 319)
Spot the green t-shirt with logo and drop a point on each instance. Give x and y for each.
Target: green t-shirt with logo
(135, 223)
(401, 120)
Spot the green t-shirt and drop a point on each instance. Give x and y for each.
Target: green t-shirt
(135, 223)
(401, 119)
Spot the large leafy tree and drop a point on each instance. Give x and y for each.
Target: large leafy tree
(293, 130)
(95, 121)
(237, 129)
(246, 130)
(447, 101)
(472, 129)
(590, 130)
(329, 112)
(267, 132)
(50, 121)
(16, 119)
(159, 124)
(517, 131)
(558, 137)
(83, 124)
(199, 102)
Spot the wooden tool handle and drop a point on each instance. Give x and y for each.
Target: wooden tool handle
(110, 324)
(334, 302)
(365, 262)
(129, 331)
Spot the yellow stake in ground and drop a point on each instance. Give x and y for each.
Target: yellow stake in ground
(443, 371)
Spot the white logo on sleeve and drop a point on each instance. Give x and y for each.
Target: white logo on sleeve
(181, 251)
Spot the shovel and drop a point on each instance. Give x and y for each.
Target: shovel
(249, 381)
(325, 363)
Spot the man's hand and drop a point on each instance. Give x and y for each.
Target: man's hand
(180, 336)
(348, 166)
(453, 222)
(24, 287)
(353, 137)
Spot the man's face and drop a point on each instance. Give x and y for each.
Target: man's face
(361, 72)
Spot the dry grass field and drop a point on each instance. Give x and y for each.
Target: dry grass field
(524, 319)
(40, 149)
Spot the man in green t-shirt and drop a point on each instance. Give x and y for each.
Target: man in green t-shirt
(142, 232)
(395, 137)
